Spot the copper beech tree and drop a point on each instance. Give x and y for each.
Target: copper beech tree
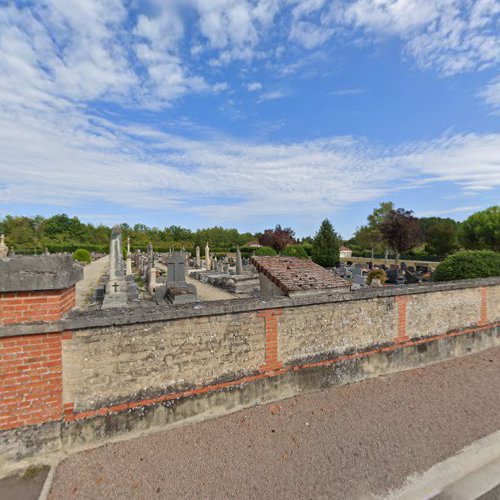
(401, 231)
(278, 238)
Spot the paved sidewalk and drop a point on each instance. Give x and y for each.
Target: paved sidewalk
(91, 274)
(344, 442)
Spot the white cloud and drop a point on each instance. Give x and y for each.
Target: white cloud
(254, 86)
(491, 93)
(271, 96)
(343, 92)
(449, 211)
(74, 158)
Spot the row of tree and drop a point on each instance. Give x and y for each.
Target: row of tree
(387, 230)
(398, 230)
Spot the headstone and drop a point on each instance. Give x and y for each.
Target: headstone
(403, 266)
(239, 262)
(4, 249)
(176, 274)
(197, 263)
(152, 279)
(177, 290)
(207, 257)
(129, 258)
(116, 288)
(358, 279)
(46, 252)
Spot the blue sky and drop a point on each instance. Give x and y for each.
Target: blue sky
(248, 113)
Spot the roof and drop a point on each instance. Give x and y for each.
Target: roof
(253, 244)
(345, 249)
(292, 274)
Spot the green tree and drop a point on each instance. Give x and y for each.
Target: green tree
(376, 218)
(401, 231)
(482, 230)
(295, 251)
(265, 251)
(440, 235)
(326, 246)
(368, 238)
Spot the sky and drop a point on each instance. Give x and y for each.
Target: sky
(248, 113)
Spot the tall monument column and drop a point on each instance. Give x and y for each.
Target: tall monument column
(207, 257)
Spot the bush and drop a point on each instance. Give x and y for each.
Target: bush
(468, 264)
(82, 255)
(265, 251)
(295, 251)
(376, 274)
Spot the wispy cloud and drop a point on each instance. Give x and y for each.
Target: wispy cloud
(271, 96)
(254, 86)
(449, 211)
(343, 92)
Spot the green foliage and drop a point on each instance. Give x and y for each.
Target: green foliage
(295, 251)
(376, 274)
(468, 264)
(265, 251)
(82, 255)
(326, 246)
(440, 235)
(367, 238)
(482, 230)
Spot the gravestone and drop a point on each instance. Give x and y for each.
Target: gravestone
(129, 258)
(197, 262)
(207, 257)
(116, 288)
(176, 273)
(239, 262)
(4, 249)
(177, 291)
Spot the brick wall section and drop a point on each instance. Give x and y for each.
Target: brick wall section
(271, 327)
(45, 305)
(30, 380)
(402, 333)
(484, 306)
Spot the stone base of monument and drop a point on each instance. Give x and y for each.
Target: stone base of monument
(181, 295)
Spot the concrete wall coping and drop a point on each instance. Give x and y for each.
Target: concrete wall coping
(76, 319)
(37, 273)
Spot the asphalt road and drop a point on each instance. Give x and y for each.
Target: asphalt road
(343, 442)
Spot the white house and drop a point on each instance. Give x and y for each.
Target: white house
(345, 252)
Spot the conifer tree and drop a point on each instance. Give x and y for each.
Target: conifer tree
(326, 246)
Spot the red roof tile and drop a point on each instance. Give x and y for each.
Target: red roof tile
(292, 274)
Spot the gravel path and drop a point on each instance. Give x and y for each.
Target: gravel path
(91, 274)
(337, 443)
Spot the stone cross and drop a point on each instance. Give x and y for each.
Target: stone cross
(176, 275)
(239, 262)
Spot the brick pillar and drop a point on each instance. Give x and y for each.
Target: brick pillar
(30, 380)
(401, 301)
(271, 327)
(483, 312)
(33, 290)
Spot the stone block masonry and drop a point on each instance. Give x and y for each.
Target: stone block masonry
(92, 376)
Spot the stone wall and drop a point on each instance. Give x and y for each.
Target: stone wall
(95, 375)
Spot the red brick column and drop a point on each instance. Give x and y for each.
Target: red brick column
(271, 326)
(483, 314)
(45, 305)
(30, 380)
(401, 301)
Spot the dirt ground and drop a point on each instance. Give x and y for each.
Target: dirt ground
(343, 442)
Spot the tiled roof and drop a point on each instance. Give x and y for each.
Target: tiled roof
(292, 274)
(345, 248)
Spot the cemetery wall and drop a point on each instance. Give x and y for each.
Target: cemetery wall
(102, 375)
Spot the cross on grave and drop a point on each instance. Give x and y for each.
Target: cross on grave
(115, 286)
